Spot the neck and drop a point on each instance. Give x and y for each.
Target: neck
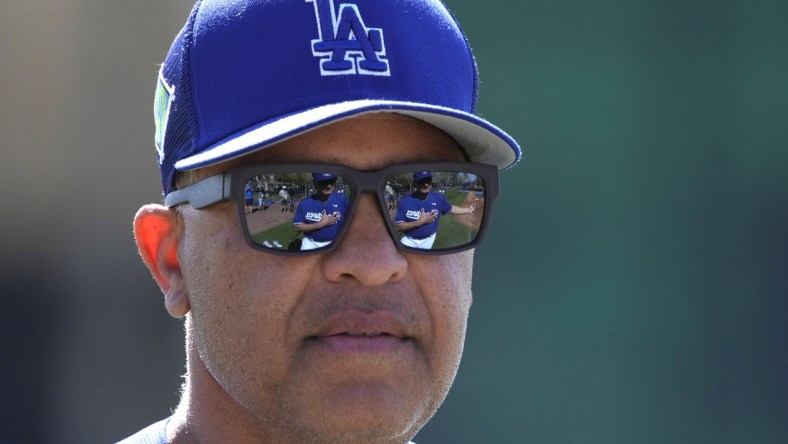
(207, 413)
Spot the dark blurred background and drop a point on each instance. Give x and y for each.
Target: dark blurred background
(634, 288)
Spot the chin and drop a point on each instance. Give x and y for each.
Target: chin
(385, 429)
(371, 414)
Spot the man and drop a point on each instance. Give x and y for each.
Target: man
(361, 342)
(420, 225)
(261, 197)
(391, 197)
(318, 215)
(284, 199)
(249, 198)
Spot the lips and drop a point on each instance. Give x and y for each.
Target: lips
(354, 332)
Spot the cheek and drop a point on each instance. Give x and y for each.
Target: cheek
(221, 270)
(240, 301)
(212, 264)
(448, 279)
(446, 283)
(213, 259)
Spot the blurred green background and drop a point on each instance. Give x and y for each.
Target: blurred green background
(634, 288)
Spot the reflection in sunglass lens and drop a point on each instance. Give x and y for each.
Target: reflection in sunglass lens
(304, 210)
(436, 210)
(292, 211)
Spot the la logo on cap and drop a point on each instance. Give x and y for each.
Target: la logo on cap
(346, 46)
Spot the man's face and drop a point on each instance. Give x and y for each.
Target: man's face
(326, 187)
(363, 341)
(424, 186)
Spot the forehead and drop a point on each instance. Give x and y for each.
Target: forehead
(365, 142)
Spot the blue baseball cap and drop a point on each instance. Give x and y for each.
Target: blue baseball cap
(320, 177)
(421, 175)
(245, 74)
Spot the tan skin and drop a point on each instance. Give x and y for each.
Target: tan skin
(273, 343)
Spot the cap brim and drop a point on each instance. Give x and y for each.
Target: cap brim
(482, 141)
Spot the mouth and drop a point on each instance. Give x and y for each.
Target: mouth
(362, 333)
(354, 344)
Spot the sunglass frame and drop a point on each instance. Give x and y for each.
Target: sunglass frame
(230, 185)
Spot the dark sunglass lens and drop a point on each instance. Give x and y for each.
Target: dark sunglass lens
(446, 215)
(293, 211)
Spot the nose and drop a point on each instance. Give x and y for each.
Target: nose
(366, 253)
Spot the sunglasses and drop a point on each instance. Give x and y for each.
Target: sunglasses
(327, 184)
(452, 217)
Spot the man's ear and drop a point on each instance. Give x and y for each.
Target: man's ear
(156, 231)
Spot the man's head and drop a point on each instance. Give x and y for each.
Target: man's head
(242, 75)
(422, 181)
(360, 341)
(324, 182)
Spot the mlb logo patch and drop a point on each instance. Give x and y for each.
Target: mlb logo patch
(161, 113)
(346, 45)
